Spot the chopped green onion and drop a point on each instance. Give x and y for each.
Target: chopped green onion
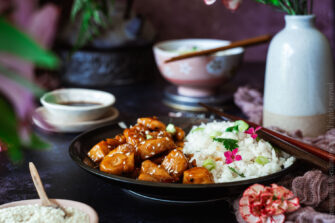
(209, 164)
(149, 136)
(261, 160)
(215, 134)
(242, 125)
(197, 129)
(235, 171)
(170, 128)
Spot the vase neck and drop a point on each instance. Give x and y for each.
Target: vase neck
(299, 21)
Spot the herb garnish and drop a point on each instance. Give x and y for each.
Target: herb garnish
(229, 144)
(232, 128)
(235, 171)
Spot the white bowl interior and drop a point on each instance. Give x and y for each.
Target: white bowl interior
(65, 203)
(101, 98)
(169, 47)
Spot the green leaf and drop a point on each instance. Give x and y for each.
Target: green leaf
(97, 18)
(77, 6)
(31, 86)
(235, 171)
(232, 128)
(14, 42)
(8, 131)
(229, 144)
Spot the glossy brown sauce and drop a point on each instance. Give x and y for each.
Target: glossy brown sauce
(79, 103)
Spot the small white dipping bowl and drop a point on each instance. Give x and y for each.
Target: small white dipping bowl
(64, 203)
(56, 103)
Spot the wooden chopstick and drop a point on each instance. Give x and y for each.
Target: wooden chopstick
(320, 158)
(241, 43)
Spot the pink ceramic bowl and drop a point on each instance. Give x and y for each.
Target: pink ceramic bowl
(65, 203)
(197, 76)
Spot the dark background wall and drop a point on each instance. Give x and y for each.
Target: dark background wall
(193, 19)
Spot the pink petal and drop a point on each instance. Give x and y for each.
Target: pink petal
(235, 151)
(209, 2)
(251, 130)
(229, 160)
(258, 128)
(238, 157)
(228, 154)
(254, 136)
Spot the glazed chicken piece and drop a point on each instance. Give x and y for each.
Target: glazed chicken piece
(125, 149)
(118, 164)
(179, 135)
(141, 128)
(153, 147)
(113, 143)
(121, 138)
(180, 144)
(133, 136)
(152, 172)
(152, 123)
(99, 151)
(175, 163)
(198, 175)
(159, 134)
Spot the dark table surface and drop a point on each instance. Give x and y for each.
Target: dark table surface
(64, 179)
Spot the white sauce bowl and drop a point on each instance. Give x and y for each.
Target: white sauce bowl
(55, 103)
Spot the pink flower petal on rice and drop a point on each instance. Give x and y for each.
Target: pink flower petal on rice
(235, 151)
(251, 130)
(228, 154)
(238, 158)
(229, 160)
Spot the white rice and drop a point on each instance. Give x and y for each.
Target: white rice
(201, 145)
(40, 214)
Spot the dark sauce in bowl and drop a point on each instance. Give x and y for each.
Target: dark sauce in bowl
(79, 103)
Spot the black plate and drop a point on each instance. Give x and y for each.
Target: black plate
(163, 191)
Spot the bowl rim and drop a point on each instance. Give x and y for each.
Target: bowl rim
(93, 215)
(157, 46)
(127, 180)
(50, 105)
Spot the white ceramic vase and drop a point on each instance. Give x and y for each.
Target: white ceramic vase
(299, 81)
